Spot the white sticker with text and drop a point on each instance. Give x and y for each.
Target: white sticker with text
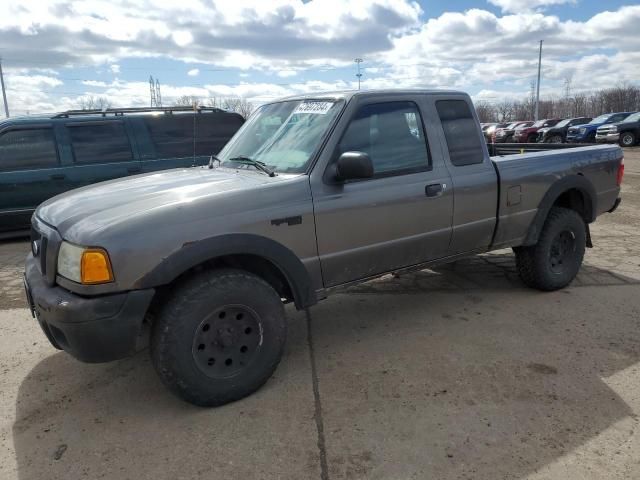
(319, 108)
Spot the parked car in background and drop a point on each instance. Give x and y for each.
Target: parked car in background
(488, 132)
(43, 156)
(530, 134)
(587, 133)
(505, 135)
(558, 133)
(626, 133)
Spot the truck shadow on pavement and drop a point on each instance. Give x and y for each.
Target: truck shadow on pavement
(470, 375)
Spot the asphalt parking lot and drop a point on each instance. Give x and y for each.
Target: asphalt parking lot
(456, 373)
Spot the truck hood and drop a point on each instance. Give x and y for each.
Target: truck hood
(110, 202)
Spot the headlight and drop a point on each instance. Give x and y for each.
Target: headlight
(583, 130)
(84, 265)
(613, 129)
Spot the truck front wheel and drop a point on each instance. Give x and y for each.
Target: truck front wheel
(219, 337)
(554, 261)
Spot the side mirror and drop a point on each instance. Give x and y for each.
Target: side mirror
(353, 165)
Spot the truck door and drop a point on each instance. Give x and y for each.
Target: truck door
(398, 218)
(473, 176)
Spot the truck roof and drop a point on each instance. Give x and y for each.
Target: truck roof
(348, 94)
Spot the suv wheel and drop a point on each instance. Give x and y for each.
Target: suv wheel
(532, 138)
(627, 139)
(556, 139)
(219, 337)
(555, 260)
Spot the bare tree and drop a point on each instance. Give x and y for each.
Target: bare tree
(239, 105)
(486, 112)
(89, 102)
(188, 101)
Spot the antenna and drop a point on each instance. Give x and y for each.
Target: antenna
(158, 95)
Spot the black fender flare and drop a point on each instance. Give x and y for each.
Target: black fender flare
(195, 253)
(570, 182)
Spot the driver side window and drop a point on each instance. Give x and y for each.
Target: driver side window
(392, 135)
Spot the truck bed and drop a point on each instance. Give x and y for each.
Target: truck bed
(526, 179)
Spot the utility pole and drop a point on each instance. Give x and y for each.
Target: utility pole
(359, 75)
(4, 93)
(158, 95)
(152, 92)
(538, 85)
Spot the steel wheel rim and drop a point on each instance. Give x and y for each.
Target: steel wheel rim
(563, 248)
(227, 341)
(626, 140)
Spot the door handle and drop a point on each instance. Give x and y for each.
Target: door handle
(434, 190)
(58, 176)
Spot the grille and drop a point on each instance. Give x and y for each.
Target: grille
(39, 249)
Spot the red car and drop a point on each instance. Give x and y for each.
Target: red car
(530, 134)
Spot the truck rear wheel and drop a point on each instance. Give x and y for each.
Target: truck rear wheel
(219, 337)
(555, 260)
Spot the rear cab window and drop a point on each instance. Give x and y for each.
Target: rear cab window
(461, 132)
(28, 149)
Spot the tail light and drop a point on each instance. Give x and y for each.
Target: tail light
(620, 173)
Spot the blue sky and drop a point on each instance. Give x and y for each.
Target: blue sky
(54, 57)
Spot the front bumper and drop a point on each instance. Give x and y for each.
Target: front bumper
(92, 329)
(608, 138)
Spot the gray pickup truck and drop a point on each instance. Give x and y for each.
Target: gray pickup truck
(314, 193)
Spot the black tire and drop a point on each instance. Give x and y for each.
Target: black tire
(219, 337)
(532, 138)
(627, 139)
(555, 139)
(555, 260)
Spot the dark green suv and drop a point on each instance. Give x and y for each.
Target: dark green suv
(43, 156)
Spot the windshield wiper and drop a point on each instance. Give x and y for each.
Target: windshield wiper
(250, 161)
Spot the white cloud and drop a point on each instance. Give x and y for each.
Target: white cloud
(115, 68)
(194, 72)
(287, 73)
(520, 6)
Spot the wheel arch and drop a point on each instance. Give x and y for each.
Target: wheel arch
(266, 258)
(574, 192)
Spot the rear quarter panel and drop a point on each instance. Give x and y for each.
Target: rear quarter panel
(525, 180)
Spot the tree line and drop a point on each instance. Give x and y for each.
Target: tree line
(622, 98)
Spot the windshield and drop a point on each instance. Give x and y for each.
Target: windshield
(563, 123)
(633, 118)
(539, 123)
(283, 136)
(600, 119)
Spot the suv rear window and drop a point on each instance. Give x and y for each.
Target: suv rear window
(461, 132)
(28, 149)
(100, 143)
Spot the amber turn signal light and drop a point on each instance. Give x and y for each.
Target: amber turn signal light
(95, 267)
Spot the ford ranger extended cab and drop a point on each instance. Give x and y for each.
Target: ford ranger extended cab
(313, 194)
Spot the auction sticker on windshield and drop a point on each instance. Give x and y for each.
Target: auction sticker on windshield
(319, 108)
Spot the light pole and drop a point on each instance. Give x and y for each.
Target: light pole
(359, 75)
(538, 85)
